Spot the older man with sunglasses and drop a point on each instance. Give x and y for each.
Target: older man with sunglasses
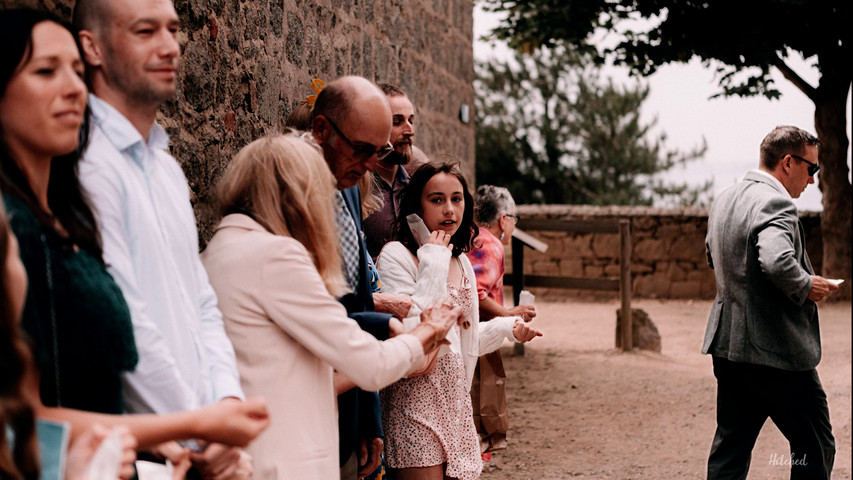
(763, 329)
(351, 122)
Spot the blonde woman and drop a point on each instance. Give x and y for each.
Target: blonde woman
(275, 264)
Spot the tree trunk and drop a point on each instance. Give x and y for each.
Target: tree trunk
(831, 126)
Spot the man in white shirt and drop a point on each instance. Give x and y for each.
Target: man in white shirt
(141, 200)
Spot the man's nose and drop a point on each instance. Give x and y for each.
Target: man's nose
(169, 46)
(371, 162)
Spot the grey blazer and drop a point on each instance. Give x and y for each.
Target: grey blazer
(755, 245)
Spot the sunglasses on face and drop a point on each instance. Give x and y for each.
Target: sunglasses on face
(813, 167)
(363, 151)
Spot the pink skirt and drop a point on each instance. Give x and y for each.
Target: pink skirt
(428, 421)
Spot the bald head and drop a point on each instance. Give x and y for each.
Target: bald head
(350, 95)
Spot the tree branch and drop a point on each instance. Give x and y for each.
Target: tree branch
(792, 76)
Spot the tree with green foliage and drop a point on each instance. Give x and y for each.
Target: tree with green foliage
(551, 131)
(744, 41)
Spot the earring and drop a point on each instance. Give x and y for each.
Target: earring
(502, 235)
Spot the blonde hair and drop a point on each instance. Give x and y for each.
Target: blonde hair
(283, 183)
(371, 197)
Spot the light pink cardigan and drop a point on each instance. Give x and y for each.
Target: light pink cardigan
(289, 334)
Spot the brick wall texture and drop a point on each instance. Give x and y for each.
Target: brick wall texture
(248, 63)
(667, 250)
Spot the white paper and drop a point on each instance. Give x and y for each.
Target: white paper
(836, 281)
(525, 298)
(106, 461)
(154, 471)
(418, 228)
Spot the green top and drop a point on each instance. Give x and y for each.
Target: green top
(75, 316)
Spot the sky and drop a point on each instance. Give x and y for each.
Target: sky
(679, 99)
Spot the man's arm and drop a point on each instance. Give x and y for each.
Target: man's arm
(776, 242)
(224, 377)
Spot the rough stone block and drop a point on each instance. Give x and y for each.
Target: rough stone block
(593, 271)
(686, 289)
(656, 285)
(571, 267)
(687, 247)
(579, 246)
(644, 333)
(606, 245)
(650, 250)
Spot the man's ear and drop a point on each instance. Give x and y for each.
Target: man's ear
(320, 129)
(91, 48)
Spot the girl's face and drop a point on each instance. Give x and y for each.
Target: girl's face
(16, 278)
(43, 106)
(443, 203)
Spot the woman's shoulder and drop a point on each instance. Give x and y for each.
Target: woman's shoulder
(241, 233)
(22, 220)
(394, 251)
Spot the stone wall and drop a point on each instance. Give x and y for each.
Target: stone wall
(667, 250)
(247, 63)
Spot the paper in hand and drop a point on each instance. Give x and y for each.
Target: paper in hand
(836, 281)
(418, 228)
(107, 459)
(525, 298)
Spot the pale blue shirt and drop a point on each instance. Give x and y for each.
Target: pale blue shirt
(142, 204)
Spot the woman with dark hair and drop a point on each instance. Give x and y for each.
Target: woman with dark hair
(429, 428)
(18, 460)
(74, 314)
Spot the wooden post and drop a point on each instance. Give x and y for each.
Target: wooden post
(625, 283)
(517, 282)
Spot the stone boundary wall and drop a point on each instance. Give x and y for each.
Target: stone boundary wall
(248, 63)
(667, 250)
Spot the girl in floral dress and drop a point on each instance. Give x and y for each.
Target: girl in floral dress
(429, 430)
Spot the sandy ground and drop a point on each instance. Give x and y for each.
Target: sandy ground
(580, 409)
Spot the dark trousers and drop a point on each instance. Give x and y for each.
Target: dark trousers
(747, 395)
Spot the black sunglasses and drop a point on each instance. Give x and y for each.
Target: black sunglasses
(813, 167)
(365, 150)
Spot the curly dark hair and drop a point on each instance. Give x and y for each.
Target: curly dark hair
(15, 413)
(410, 202)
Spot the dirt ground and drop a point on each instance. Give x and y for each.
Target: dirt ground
(580, 409)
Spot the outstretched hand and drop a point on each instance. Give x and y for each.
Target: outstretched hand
(442, 316)
(234, 422)
(523, 332)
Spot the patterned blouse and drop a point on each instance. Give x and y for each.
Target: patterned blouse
(487, 258)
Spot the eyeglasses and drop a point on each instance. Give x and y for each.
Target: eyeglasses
(813, 167)
(513, 217)
(363, 151)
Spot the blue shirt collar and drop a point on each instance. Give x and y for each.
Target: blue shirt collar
(122, 134)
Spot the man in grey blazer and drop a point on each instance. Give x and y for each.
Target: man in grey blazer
(763, 329)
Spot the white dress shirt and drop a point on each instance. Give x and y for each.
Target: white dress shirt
(141, 201)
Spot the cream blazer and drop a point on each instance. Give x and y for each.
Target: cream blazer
(289, 334)
(426, 283)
